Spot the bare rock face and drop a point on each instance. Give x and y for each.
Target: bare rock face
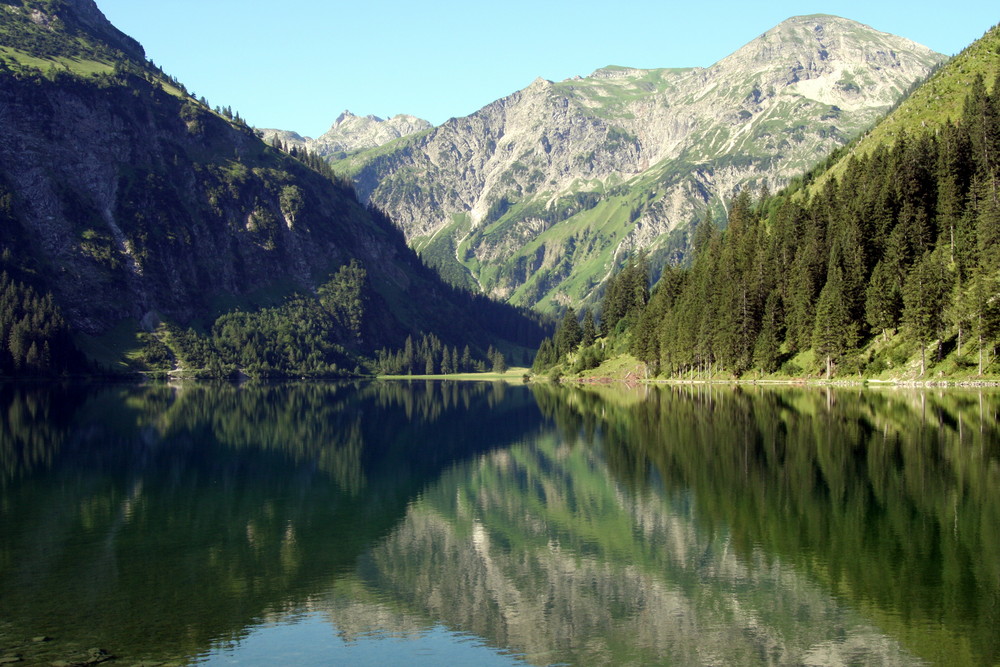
(352, 133)
(536, 196)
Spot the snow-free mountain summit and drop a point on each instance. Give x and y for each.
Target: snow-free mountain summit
(535, 197)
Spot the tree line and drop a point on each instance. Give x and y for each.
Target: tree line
(427, 355)
(625, 296)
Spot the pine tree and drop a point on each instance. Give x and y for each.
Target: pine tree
(883, 300)
(569, 334)
(767, 347)
(981, 303)
(499, 362)
(953, 173)
(546, 356)
(409, 356)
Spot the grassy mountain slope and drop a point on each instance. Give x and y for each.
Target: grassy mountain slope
(935, 102)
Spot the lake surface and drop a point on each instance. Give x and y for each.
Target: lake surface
(461, 523)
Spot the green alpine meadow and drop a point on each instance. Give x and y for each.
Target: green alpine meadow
(688, 363)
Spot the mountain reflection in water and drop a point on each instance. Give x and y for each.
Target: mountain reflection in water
(460, 521)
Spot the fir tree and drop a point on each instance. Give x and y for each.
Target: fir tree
(569, 334)
(767, 347)
(883, 300)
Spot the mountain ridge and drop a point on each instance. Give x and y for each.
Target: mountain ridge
(561, 175)
(350, 133)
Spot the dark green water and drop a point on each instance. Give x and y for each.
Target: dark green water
(460, 523)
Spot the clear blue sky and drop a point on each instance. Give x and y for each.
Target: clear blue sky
(297, 64)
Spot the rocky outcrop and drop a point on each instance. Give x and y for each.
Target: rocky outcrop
(538, 194)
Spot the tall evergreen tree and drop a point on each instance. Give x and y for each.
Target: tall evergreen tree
(834, 331)
(767, 347)
(569, 334)
(981, 304)
(883, 300)
(923, 302)
(589, 330)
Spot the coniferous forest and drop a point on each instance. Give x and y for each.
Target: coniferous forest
(893, 262)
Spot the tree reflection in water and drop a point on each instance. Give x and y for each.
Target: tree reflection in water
(679, 525)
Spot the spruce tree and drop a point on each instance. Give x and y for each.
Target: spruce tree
(569, 333)
(767, 347)
(589, 331)
(981, 303)
(833, 332)
(883, 300)
(923, 302)
(499, 362)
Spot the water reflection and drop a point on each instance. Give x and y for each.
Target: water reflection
(153, 522)
(550, 525)
(890, 500)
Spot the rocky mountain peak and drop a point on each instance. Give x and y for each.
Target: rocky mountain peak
(811, 41)
(626, 157)
(614, 72)
(350, 132)
(345, 115)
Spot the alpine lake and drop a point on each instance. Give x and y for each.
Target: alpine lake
(437, 522)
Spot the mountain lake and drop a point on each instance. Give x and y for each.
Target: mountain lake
(437, 522)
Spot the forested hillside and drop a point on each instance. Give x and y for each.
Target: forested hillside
(891, 268)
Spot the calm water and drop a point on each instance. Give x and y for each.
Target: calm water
(447, 523)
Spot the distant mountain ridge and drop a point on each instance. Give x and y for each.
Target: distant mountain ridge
(536, 197)
(351, 133)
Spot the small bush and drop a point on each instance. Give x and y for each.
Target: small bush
(791, 369)
(876, 366)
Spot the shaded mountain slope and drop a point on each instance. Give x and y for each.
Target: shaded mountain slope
(133, 203)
